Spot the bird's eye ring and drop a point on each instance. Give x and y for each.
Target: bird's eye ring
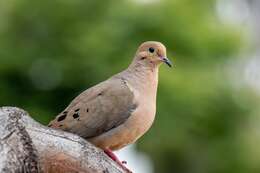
(151, 50)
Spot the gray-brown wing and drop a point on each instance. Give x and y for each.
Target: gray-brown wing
(98, 109)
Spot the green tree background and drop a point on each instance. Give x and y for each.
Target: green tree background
(52, 50)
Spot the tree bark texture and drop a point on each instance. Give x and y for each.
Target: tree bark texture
(29, 147)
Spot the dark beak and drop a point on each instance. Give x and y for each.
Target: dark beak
(167, 61)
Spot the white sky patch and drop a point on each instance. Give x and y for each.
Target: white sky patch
(233, 11)
(245, 73)
(252, 73)
(137, 162)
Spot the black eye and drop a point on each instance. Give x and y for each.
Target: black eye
(151, 50)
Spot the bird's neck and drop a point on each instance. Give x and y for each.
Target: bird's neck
(143, 78)
(145, 74)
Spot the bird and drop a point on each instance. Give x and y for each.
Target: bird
(119, 110)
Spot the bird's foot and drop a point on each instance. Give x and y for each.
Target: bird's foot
(115, 158)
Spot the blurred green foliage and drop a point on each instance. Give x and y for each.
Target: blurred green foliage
(52, 50)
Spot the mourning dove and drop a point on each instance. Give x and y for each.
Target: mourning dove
(118, 111)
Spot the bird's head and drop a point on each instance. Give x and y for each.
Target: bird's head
(152, 53)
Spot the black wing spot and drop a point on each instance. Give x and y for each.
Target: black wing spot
(87, 109)
(77, 110)
(133, 108)
(76, 115)
(100, 94)
(62, 117)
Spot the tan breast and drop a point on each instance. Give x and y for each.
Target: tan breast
(136, 125)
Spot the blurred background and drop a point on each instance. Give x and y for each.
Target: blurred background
(208, 115)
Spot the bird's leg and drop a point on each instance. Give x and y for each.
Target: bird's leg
(111, 155)
(115, 158)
